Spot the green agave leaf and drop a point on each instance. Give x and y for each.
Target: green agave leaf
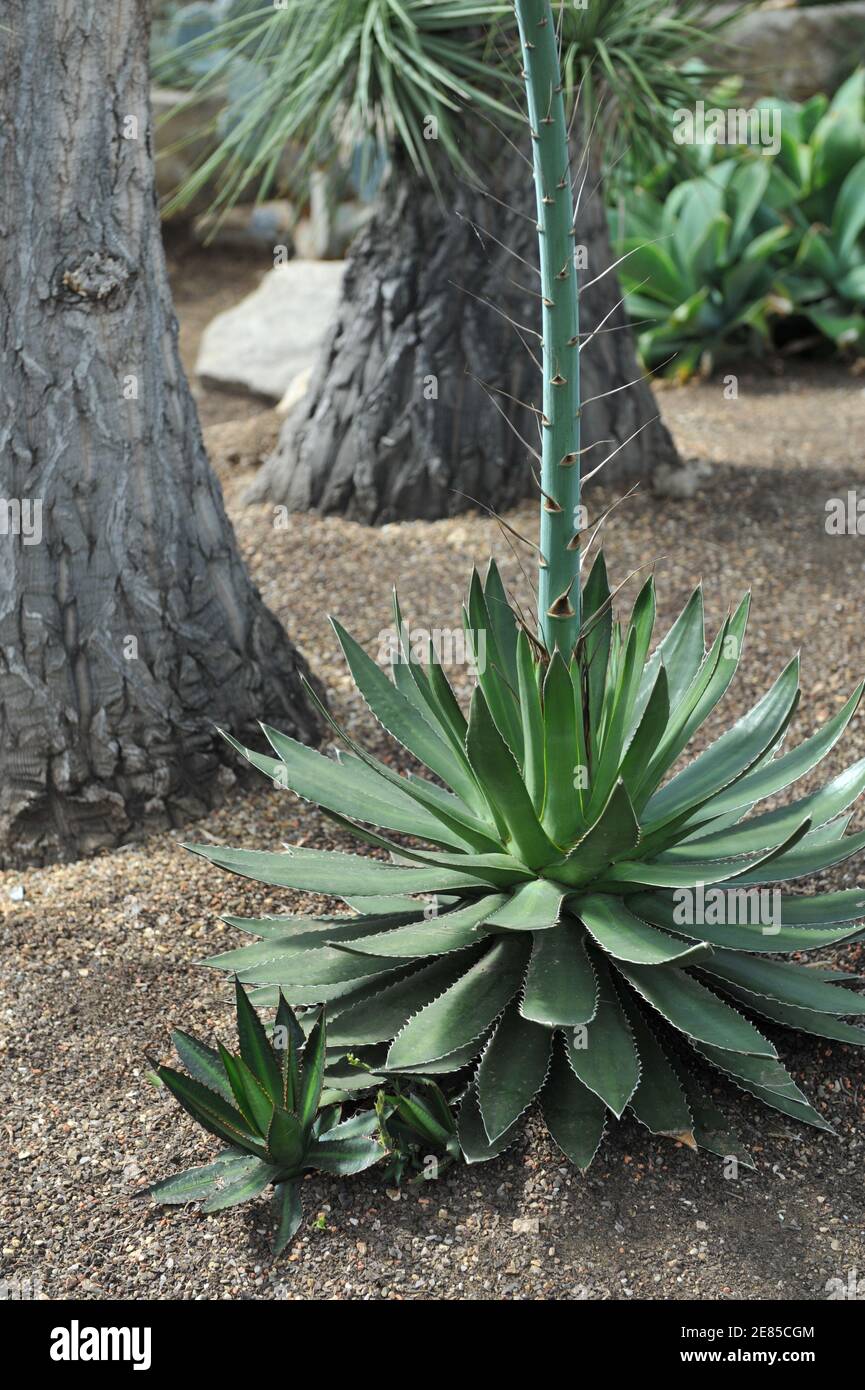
(289, 1212)
(308, 931)
(695, 1010)
(496, 679)
(251, 1099)
(803, 1020)
(381, 1015)
(766, 1079)
(363, 1123)
(343, 1156)
(533, 723)
(755, 933)
(618, 932)
(281, 951)
(560, 989)
(772, 777)
(562, 815)
(286, 1144)
(332, 872)
(242, 1189)
(788, 983)
(614, 834)
(202, 1063)
(474, 1142)
(795, 860)
(407, 725)
(736, 872)
(465, 1010)
(680, 653)
(596, 636)
(288, 1055)
(197, 1183)
(497, 771)
(512, 1071)
(533, 906)
(795, 910)
(603, 1055)
(659, 1102)
(730, 756)
(418, 1115)
(450, 1063)
(325, 965)
(618, 722)
(572, 1113)
(450, 932)
(434, 700)
(648, 733)
(710, 1124)
(503, 621)
(312, 1073)
(209, 1109)
(255, 1047)
(761, 831)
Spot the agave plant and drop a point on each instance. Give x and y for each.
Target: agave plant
(569, 955)
(412, 1121)
(265, 1103)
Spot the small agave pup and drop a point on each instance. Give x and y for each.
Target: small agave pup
(558, 844)
(265, 1103)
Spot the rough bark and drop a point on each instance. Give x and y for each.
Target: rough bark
(398, 424)
(128, 625)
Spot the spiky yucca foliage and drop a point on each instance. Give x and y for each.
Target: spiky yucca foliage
(575, 953)
(265, 1103)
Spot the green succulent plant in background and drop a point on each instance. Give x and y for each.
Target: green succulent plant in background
(265, 1103)
(567, 955)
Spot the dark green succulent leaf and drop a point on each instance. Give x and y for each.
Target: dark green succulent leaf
(211, 1111)
(602, 1054)
(282, 950)
(755, 933)
(747, 868)
(512, 1071)
(494, 765)
(533, 723)
(307, 929)
(730, 756)
(451, 1062)
(618, 932)
(695, 1010)
(202, 1063)
(325, 965)
(572, 1113)
(286, 1141)
(503, 621)
(289, 1213)
(788, 983)
(791, 1016)
(465, 1010)
(197, 1183)
(496, 675)
(242, 1188)
(343, 1156)
(596, 636)
(711, 1130)
(475, 1145)
(382, 1014)
(772, 777)
(614, 834)
(451, 932)
(290, 1036)
(407, 725)
(312, 1073)
(329, 871)
(822, 849)
(363, 1124)
(659, 1102)
(533, 906)
(255, 1047)
(562, 816)
(419, 1116)
(648, 733)
(680, 653)
(766, 1079)
(251, 1098)
(560, 989)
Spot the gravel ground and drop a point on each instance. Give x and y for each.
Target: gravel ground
(99, 958)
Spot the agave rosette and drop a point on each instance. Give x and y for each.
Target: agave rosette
(554, 962)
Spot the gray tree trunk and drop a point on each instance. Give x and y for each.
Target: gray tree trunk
(398, 424)
(127, 620)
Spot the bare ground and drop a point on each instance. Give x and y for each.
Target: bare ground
(99, 958)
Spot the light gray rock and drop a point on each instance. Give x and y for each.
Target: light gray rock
(273, 334)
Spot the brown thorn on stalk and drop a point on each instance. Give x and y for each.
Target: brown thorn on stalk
(547, 201)
(550, 503)
(564, 272)
(547, 424)
(558, 380)
(562, 607)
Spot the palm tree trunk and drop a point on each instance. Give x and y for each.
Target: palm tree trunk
(414, 405)
(128, 625)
